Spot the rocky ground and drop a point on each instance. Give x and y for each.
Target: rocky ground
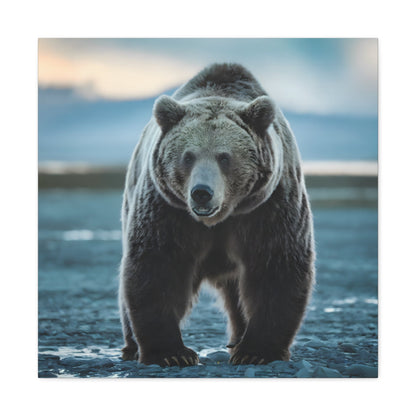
(79, 329)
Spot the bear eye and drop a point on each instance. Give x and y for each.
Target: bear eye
(224, 159)
(188, 158)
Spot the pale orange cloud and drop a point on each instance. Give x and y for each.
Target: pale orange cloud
(342, 80)
(363, 58)
(112, 73)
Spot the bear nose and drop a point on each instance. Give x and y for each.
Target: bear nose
(201, 194)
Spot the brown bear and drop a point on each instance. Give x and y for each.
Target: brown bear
(215, 192)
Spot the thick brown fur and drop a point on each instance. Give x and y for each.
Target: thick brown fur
(255, 244)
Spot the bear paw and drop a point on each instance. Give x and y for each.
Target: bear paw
(129, 354)
(239, 356)
(182, 358)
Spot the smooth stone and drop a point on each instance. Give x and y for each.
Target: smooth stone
(71, 362)
(250, 372)
(348, 347)
(153, 367)
(303, 373)
(219, 356)
(364, 355)
(303, 364)
(339, 359)
(125, 366)
(211, 368)
(314, 344)
(100, 362)
(360, 370)
(324, 372)
(205, 360)
(338, 367)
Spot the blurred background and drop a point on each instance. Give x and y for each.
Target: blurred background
(96, 95)
(94, 98)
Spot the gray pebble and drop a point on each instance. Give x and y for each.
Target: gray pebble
(339, 359)
(303, 364)
(153, 367)
(348, 347)
(364, 355)
(71, 362)
(250, 372)
(314, 344)
(338, 367)
(205, 360)
(124, 366)
(324, 372)
(360, 370)
(49, 357)
(219, 357)
(101, 363)
(303, 373)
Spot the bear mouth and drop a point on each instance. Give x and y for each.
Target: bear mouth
(204, 212)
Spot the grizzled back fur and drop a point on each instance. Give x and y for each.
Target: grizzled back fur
(224, 80)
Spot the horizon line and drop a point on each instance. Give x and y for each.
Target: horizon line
(310, 167)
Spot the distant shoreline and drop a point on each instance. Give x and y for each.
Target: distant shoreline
(327, 174)
(323, 168)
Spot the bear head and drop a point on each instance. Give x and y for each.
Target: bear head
(215, 156)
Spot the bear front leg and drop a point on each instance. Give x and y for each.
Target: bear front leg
(130, 350)
(275, 298)
(157, 294)
(236, 321)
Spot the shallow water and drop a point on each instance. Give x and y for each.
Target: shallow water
(79, 327)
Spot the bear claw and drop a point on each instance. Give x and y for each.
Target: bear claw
(254, 359)
(188, 359)
(182, 358)
(242, 357)
(247, 359)
(176, 360)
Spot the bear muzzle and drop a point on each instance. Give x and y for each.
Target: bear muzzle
(201, 196)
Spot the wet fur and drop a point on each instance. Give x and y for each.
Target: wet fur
(260, 256)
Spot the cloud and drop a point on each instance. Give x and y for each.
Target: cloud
(111, 73)
(363, 57)
(345, 84)
(325, 76)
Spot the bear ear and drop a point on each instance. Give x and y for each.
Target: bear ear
(167, 112)
(259, 114)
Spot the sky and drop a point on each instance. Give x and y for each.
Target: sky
(313, 76)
